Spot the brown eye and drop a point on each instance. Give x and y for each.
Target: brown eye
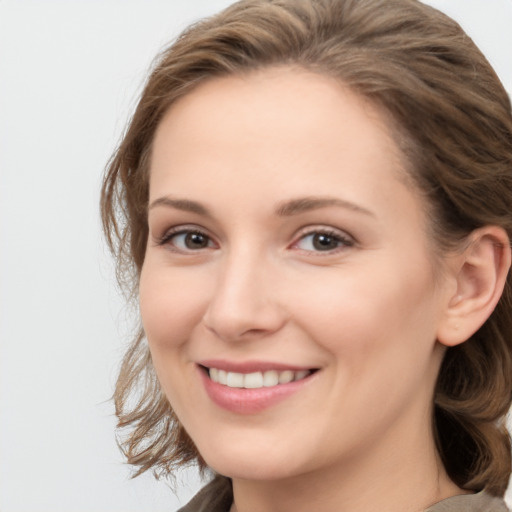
(196, 241)
(323, 241)
(187, 240)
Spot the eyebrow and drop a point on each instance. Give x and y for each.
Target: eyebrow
(304, 204)
(285, 209)
(181, 204)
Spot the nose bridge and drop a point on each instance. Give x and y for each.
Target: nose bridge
(244, 302)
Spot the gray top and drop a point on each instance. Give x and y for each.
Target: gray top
(480, 502)
(217, 496)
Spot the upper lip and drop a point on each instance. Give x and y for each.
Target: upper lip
(251, 366)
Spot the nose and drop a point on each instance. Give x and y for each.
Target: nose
(244, 303)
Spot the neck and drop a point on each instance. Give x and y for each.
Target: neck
(399, 474)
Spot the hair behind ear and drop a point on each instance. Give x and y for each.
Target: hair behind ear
(470, 410)
(474, 387)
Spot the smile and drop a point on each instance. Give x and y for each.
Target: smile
(256, 380)
(254, 387)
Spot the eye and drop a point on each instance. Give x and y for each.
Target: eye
(186, 240)
(323, 241)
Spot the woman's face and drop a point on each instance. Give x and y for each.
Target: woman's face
(285, 244)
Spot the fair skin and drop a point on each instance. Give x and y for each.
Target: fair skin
(283, 236)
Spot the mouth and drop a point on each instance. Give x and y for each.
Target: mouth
(253, 386)
(255, 380)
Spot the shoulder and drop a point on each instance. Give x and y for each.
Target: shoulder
(217, 496)
(480, 502)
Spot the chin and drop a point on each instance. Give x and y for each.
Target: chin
(248, 466)
(253, 472)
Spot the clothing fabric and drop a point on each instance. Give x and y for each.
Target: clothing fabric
(479, 502)
(217, 496)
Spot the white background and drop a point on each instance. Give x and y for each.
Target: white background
(70, 72)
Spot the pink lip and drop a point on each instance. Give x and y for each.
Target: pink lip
(250, 366)
(249, 401)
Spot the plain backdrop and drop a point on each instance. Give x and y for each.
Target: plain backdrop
(70, 72)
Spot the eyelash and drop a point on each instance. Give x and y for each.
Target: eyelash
(166, 239)
(342, 240)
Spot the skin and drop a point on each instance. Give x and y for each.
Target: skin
(366, 313)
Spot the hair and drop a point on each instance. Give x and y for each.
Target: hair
(454, 126)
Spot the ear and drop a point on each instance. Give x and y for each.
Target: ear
(480, 273)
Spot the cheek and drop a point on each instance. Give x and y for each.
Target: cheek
(354, 313)
(380, 337)
(170, 306)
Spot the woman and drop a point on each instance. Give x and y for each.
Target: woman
(312, 203)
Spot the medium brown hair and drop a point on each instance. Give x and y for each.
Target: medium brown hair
(454, 126)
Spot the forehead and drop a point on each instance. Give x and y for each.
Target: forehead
(272, 117)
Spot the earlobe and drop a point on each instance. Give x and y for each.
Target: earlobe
(480, 273)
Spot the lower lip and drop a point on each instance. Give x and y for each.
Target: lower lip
(249, 401)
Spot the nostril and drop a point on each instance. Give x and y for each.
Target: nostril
(254, 332)
(238, 331)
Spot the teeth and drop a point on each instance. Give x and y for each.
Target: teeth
(222, 377)
(285, 377)
(301, 374)
(235, 380)
(253, 380)
(270, 378)
(256, 380)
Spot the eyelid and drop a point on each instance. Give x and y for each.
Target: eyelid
(345, 238)
(168, 234)
(342, 236)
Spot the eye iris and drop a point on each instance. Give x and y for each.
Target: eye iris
(324, 242)
(196, 241)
